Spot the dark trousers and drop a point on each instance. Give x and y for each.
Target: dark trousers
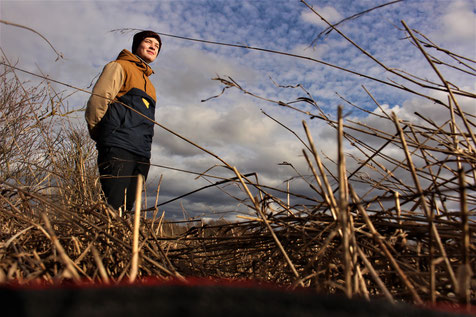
(118, 169)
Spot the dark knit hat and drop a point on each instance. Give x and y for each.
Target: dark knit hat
(139, 37)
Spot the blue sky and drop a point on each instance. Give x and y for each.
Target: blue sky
(233, 125)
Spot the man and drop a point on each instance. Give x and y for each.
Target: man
(123, 136)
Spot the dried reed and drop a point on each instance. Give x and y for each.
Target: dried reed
(405, 243)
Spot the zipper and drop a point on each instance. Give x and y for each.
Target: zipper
(145, 83)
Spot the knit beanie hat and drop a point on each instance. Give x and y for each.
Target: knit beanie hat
(139, 37)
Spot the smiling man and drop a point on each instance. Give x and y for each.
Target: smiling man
(119, 114)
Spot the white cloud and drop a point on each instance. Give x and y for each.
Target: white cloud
(329, 13)
(459, 21)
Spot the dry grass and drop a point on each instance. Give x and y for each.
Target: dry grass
(366, 232)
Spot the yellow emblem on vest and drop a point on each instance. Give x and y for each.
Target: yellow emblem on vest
(146, 103)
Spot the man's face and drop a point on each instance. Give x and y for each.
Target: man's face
(148, 49)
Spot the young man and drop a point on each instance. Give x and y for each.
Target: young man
(123, 136)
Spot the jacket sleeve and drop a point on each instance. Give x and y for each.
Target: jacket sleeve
(105, 90)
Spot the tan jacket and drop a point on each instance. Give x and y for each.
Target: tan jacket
(117, 78)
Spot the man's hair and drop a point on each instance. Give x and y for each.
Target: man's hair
(139, 37)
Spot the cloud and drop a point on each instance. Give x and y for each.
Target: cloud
(233, 126)
(184, 74)
(329, 13)
(459, 21)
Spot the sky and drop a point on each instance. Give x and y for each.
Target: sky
(235, 126)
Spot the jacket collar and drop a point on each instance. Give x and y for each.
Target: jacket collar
(141, 64)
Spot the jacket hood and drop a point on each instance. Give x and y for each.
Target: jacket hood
(142, 65)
